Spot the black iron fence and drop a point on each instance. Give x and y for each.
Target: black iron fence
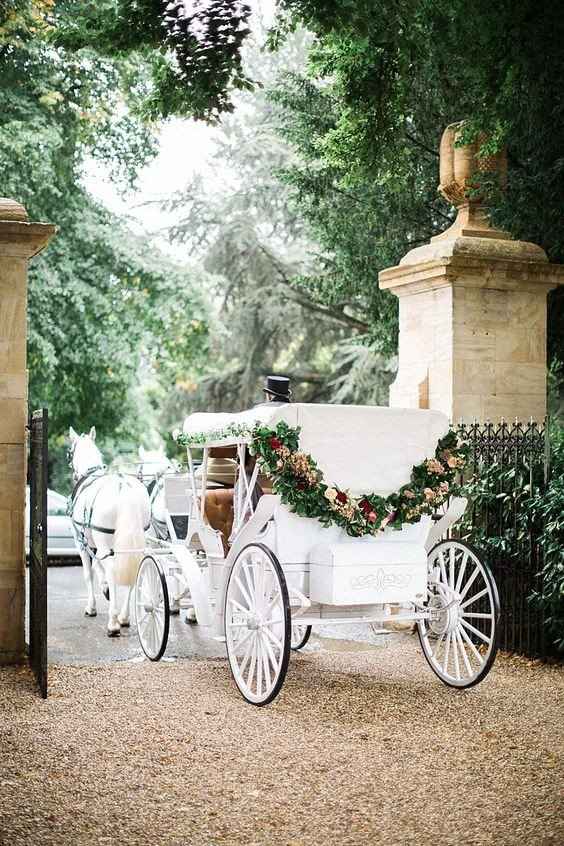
(508, 464)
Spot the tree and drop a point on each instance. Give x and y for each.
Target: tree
(385, 78)
(191, 50)
(249, 237)
(102, 303)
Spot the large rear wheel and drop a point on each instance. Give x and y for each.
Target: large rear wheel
(459, 639)
(257, 624)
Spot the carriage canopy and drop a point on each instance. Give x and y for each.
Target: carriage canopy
(359, 448)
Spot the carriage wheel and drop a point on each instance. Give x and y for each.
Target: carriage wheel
(152, 608)
(459, 639)
(300, 636)
(257, 624)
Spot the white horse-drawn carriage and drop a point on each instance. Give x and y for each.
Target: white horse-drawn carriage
(339, 515)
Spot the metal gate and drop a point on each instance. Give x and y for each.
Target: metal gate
(37, 471)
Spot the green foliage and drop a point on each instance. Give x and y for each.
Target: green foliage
(105, 308)
(524, 513)
(385, 78)
(192, 59)
(247, 235)
(547, 512)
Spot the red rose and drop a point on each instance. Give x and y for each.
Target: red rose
(365, 505)
(275, 443)
(301, 486)
(341, 497)
(371, 517)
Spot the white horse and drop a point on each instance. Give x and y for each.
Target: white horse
(110, 513)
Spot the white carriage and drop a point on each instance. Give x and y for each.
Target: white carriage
(262, 582)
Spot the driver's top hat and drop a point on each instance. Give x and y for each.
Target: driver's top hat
(278, 387)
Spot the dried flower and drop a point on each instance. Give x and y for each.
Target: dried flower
(434, 466)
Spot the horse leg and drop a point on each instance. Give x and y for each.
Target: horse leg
(113, 622)
(123, 616)
(90, 610)
(100, 571)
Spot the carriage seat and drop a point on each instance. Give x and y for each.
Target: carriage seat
(218, 511)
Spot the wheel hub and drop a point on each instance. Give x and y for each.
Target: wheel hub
(444, 617)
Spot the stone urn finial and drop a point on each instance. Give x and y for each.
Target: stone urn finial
(459, 166)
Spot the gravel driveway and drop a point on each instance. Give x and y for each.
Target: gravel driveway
(364, 746)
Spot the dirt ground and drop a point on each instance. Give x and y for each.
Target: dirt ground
(364, 746)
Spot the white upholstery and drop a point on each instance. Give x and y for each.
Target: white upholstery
(360, 448)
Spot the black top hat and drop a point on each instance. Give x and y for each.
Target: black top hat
(278, 387)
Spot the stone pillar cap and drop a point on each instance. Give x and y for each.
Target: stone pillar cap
(12, 210)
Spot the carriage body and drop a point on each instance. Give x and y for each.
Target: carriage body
(317, 573)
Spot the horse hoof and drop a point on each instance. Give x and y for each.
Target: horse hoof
(125, 624)
(113, 633)
(90, 613)
(106, 592)
(174, 612)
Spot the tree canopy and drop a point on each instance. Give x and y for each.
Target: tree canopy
(385, 78)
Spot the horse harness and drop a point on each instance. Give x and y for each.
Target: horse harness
(92, 475)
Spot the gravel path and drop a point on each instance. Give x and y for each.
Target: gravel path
(364, 746)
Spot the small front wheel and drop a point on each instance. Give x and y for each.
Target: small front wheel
(257, 624)
(459, 637)
(300, 636)
(152, 608)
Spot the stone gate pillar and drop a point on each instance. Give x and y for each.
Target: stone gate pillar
(472, 309)
(19, 241)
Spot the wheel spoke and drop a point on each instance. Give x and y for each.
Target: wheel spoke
(252, 665)
(455, 654)
(275, 663)
(463, 653)
(447, 651)
(452, 562)
(274, 639)
(478, 616)
(461, 572)
(442, 566)
(477, 632)
(247, 655)
(246, 596)
(435, 652)
(474, 598)
(470, 582)
(265, 666)
(239, 606)
(259, 665)
(473, 649)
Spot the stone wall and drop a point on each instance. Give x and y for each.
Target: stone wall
(19, 241)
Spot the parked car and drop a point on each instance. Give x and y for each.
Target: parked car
(60, 537)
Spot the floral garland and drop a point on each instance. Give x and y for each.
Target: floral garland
(299, 482)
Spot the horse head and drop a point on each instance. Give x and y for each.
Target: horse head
(84, 455)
